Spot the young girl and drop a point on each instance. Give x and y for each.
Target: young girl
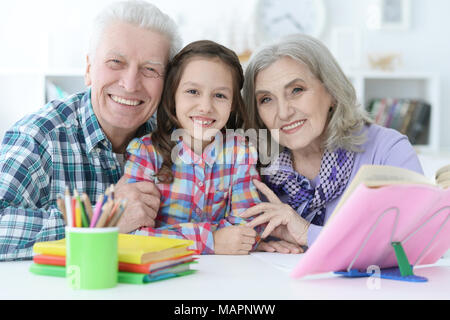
(204, 172)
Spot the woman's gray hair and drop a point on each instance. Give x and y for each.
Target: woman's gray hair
(348, 117)
(138, 13)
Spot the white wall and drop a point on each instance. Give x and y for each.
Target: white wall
(37, 35)
(424, 47)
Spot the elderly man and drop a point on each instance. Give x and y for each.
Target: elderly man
(80, 142)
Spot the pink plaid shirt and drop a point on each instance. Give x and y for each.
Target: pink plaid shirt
(208, 192)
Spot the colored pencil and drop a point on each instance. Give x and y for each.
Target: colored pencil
(87, 205)
(80, 208)
(78, 211)
(97, 211)
(105, 212)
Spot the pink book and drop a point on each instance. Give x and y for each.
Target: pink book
(361, 232)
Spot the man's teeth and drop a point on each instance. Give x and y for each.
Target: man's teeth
(127, 102)
(203, 122)
(293, 126)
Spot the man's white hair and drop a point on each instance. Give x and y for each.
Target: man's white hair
(139, 13)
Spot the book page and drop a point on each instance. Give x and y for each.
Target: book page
(443, 177)
(378, 176)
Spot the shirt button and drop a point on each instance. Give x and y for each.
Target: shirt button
(200, 184)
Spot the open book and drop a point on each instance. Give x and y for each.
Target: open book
(374, 176)
(382, 207)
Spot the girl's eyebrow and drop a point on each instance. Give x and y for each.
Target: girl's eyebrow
(195, 84)
(224, 89)
(189, 83)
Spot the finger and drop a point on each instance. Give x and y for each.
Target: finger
(248, 240)
(264, 218)
(261, 207)
(150, 201)
(248, 232)
(245, 248)
(151, 213)
(293, 248)
(264, 246)
(275, 222)
(270, 195)
(148, 188)
(279, 247)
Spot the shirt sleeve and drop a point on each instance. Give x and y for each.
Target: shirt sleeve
(243, 196)
(27, 215)
(400, 153)
(141, 162)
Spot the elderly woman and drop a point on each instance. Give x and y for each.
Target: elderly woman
(296, 88)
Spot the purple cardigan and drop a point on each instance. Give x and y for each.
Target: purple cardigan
(382, 147)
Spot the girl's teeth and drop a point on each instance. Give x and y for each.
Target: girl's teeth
(132, 103)
(293, 126)
(203, 122)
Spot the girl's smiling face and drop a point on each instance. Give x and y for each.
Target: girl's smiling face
(204, 99)
(293, 101)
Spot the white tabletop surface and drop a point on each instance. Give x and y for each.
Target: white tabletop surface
(259, 276)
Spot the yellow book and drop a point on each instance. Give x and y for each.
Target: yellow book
(132, 248)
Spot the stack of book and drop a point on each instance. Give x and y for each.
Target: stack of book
(142, 259)
(409, 117)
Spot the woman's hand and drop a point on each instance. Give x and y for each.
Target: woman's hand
(279, 246)
(283, 221)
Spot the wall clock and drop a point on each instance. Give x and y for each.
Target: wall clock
(275, 19)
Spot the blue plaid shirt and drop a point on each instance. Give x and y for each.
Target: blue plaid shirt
(60, 145)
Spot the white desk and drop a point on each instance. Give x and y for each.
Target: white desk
(259, 276)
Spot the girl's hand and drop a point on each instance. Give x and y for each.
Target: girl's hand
(280, 246)
(234, 240)
(283, 221)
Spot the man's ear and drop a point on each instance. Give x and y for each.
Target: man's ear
(87, 75)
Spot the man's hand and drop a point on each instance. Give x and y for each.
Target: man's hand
(143, 200)
(234, 240)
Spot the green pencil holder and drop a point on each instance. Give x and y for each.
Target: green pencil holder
(92, 257)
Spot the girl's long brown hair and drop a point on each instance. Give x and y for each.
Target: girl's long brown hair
(166, 114)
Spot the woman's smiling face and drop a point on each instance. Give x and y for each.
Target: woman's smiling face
(293, 101)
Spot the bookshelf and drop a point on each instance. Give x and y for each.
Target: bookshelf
(370, 85)
(26, 90)
(66, 81)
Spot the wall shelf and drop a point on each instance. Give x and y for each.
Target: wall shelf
(371, 85)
